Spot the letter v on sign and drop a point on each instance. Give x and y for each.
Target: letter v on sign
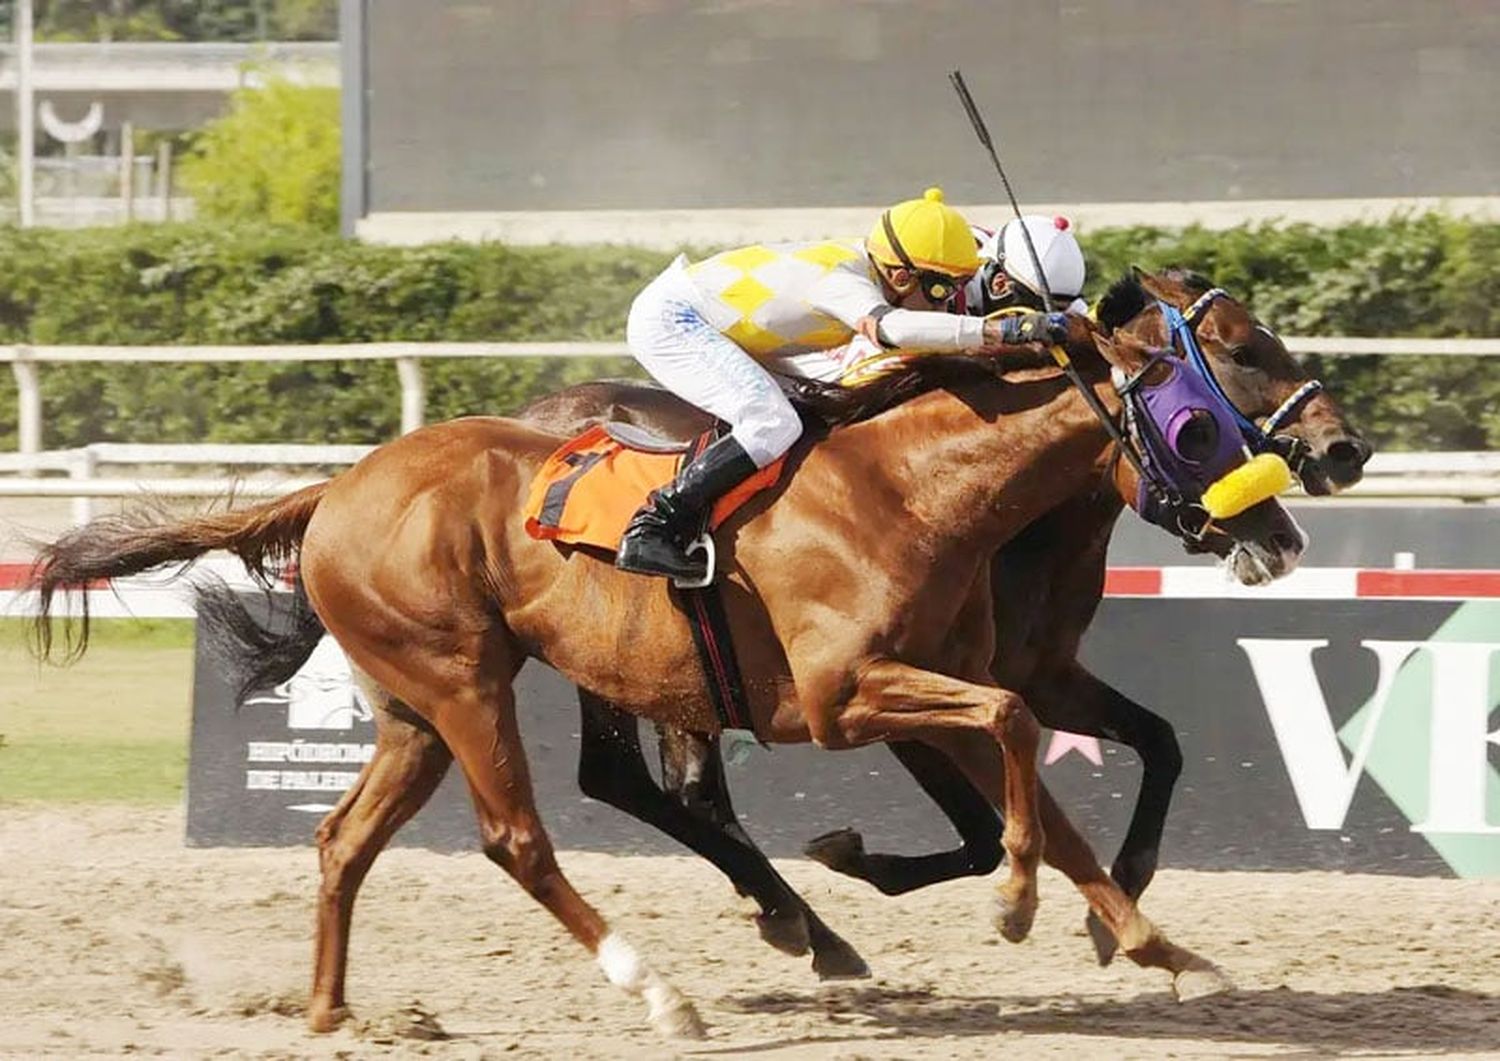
(1423, 736)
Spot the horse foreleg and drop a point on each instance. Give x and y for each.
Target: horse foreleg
(895, 701)
(1068, 852)
(967, 809)
(1078, 702)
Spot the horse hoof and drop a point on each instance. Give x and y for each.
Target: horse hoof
(677, 1018)
(839, 961)
(1200, 981)
(323, 1019)
(1013, 920)
(839, 850)
(1105, 944)
(786, 931)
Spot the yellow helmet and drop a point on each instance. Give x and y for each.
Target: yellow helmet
(925, 234)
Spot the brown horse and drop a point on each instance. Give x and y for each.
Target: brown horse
(854, 588)
(1047, 583)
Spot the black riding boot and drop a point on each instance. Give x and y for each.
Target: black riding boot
(654, 542)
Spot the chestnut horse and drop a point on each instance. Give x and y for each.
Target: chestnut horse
(1046, 584)
(854, 590)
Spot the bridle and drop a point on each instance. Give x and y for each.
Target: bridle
(1182, 330)
(1182, 433)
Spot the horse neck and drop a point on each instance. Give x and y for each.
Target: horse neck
(974, 467)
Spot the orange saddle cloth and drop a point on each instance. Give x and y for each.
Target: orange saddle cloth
(586, 492)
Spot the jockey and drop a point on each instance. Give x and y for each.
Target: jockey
(713, 332)
(1005, 282)
(1007, 275)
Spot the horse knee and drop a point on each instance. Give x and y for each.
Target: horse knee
(1011, 721)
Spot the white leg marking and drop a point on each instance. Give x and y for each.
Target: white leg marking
(668, 1011)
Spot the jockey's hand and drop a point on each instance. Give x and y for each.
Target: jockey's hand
(1024, 328)
(869, 327)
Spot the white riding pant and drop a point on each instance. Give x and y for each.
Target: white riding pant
(695, 361)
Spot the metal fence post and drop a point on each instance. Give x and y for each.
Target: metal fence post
(29, 400)
(413, 393)
(83, 467)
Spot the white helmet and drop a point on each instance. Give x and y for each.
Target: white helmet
(1058, 250)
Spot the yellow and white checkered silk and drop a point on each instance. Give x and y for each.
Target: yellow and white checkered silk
(774, 300)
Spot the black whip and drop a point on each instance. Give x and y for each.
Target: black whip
(1058, 353)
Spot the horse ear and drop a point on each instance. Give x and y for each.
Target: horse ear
(1152, 284)
(1106, 347)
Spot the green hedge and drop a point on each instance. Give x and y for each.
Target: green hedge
(1428, 276)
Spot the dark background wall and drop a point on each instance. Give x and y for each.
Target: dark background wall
(579, 104)
(1237, 804)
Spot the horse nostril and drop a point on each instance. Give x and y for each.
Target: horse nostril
(1285, 542)
(1349, 453)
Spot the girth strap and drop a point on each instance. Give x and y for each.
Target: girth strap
(704, 608)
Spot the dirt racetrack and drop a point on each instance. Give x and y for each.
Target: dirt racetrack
(115, 940)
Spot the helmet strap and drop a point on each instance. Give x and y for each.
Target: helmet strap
(924, 280)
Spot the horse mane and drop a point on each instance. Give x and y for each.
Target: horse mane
(1127, 297)
(836, 406)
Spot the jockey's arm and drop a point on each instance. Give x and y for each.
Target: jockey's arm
(855, 300)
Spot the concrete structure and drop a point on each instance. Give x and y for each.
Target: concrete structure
(701, 122)
(155, 86)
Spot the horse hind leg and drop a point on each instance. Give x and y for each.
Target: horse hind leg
(481, 730)
(612, 769)
(693, 771)
(966, 808)
(409, 762)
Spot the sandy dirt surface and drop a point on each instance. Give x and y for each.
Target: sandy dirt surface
(116, 940)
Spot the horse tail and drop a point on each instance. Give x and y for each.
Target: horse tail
(262, 536)
(252, 654)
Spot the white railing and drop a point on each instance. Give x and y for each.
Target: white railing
(1414, 476)
(1467, 476)
(408, 357)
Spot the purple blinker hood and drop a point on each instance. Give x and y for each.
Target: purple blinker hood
(1189, 436)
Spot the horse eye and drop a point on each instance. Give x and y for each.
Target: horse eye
(1242, 355)
(1198, 438)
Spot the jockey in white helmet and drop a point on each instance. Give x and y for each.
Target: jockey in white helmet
(713, 332)
(1007, 275)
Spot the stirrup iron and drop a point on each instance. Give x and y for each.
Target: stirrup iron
(704, 544)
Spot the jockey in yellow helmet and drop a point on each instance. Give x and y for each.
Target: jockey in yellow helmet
(715, 331)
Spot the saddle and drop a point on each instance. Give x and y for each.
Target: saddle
(586, 492)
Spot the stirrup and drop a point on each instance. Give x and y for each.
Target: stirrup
(704, 544)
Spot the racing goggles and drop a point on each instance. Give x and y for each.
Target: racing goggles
(936, 287)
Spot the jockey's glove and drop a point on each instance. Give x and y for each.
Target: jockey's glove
(1022, 328)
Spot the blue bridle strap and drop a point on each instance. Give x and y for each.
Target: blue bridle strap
(1180, 332)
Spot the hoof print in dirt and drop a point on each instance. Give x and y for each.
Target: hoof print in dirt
(409, 1022)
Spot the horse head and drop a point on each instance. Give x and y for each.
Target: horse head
(1189, 472)
(1258, 375)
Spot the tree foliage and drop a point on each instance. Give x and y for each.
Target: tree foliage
(257, 283)
(273, 158)
(186, 20)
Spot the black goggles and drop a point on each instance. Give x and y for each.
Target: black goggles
(936, 287)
